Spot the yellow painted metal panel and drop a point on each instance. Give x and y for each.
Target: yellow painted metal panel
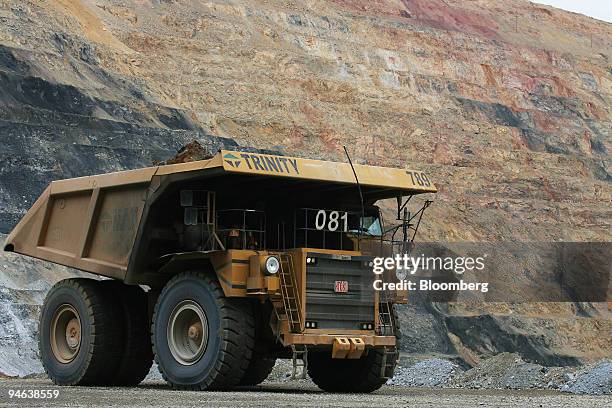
(62, 233)
(115, 225)
(285, 166)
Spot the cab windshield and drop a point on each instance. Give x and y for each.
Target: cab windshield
(371, 226)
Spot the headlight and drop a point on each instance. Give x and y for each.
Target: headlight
(272, 265)
(311, 261)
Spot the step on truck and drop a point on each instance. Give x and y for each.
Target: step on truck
(215, 268)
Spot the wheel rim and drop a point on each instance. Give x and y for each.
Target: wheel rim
(65, 333)
(187, 332)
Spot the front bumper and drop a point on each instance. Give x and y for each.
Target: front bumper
(311, 339)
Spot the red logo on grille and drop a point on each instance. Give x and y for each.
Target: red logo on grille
(341, 286)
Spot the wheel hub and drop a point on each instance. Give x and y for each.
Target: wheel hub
(195, 331)
(65, 333)
(187, 332)
(73, 333)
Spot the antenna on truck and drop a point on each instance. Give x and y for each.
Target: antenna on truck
(359, 188)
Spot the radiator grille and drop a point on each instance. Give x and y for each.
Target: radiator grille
(333, 310)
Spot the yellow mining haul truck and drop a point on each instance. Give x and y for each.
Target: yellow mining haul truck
(217, 268)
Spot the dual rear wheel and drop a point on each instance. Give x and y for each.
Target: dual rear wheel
(99, 333)
(95, 333)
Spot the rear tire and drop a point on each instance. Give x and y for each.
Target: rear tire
(201, 339)
(79, 338)
(137, 355)
(344, 375)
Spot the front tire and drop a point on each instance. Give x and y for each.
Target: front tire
(201, 339)
(258, 370)
(262, 362)
(345, 375)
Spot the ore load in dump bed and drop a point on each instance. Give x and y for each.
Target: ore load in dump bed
(246, 258)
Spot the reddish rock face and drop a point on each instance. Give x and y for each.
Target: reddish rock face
(441, 15)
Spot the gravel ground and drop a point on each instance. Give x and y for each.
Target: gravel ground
(506, 371)
(295, 394)
(596, 380)
(427, 373)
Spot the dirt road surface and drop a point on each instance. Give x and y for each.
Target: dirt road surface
(158, 394)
